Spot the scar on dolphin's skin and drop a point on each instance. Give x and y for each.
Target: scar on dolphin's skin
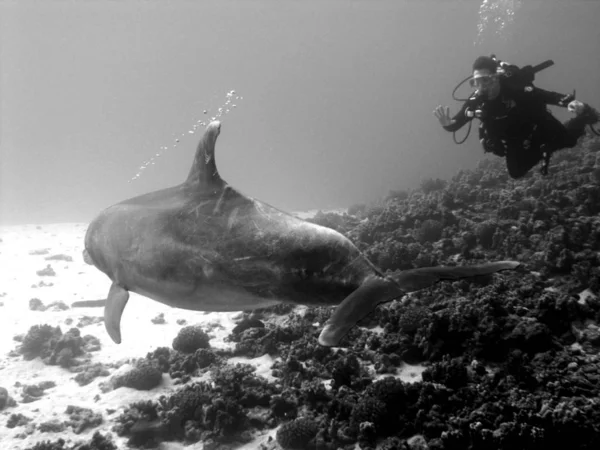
(260, 256)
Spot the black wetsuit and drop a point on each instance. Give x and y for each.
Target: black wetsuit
(518, 125)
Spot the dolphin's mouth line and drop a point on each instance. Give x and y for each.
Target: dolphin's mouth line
(87, 258)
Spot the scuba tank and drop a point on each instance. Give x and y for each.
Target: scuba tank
(520, 76)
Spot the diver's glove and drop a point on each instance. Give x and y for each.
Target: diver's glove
(584, 111)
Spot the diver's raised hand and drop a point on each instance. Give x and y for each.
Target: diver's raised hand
(443, 115)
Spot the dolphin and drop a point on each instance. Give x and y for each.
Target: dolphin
(204, 246)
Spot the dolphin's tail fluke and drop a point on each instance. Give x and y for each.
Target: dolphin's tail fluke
(416, 279)
(376, 290)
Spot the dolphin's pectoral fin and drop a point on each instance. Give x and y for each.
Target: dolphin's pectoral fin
(359, 304)
(115, 304)
(416, 279)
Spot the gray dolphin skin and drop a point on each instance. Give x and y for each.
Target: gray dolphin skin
(204, 246)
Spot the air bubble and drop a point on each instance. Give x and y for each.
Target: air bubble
(222, 110)
(495, 17)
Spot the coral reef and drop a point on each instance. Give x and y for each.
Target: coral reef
(6, 401)
(159, 320)
(33, 392)
(54, 347)
(17, 420)
(216, 412)
(87, 373)
(82, 418)
(190, 339)
(35, 304)
(143, 376)
(98, 442)
(47, 271)
(297, 434)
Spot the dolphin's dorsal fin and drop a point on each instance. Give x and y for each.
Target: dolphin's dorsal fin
(204, 169)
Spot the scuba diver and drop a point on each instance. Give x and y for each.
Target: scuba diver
(514, 119)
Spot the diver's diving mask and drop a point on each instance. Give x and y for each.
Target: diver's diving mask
(480, 81)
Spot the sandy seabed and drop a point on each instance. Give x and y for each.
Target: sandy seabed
(24, 250)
